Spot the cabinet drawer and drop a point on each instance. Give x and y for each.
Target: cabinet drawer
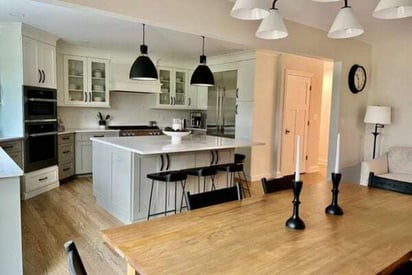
(36, 180)
(66, 152)
(87, 136)
(66, 139)
(12, 146)
(66, 170)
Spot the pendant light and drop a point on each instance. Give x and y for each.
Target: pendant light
(345, 24)
(202, 76)
(393, 9)
(249, 9)
(272, 26)
(143, 68)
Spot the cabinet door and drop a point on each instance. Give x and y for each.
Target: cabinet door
(246, 80)
(244, 113)
(165, 98)
(83, 157)
(98, 82)
(180, 88)
(192, 97)
(47, 64)
(31, 74)
(202, 94)
(75, 81)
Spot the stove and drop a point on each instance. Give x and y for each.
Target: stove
(136, 130)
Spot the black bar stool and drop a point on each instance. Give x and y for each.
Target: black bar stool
(167, 177)
(236, 167)
(207, 171)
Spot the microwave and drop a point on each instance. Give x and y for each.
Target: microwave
(39, 103)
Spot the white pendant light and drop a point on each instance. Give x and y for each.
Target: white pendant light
(272, 26)
(249, 9)
(345, 24)
(393, 9)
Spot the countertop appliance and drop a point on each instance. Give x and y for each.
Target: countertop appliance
(197, 120)
(136, 130)
(222, 108)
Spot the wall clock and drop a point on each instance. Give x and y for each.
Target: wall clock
(357, 78)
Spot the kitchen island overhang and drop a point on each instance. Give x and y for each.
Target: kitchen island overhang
(120, 166)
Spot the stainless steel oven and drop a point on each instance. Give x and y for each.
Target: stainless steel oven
(39, 103)
(40, 145)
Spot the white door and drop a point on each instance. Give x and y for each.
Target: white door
(295, 119)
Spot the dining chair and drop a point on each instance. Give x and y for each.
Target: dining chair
(213, 197)
(279, 184)
(76, 266)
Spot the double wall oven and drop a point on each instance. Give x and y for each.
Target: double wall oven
(40, 125)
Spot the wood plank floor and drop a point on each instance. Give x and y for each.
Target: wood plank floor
(70, 212)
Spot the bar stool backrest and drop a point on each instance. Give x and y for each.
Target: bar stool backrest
(218, 196)
(76, 266)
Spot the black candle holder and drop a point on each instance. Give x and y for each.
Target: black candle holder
(295, 222)
(334, 208)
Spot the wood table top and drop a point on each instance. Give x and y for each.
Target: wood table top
(250, 237)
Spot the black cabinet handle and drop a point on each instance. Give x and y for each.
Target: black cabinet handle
(66, 138)
(161, 163)
(168, 162)
(66, 169)
(7, 147)
(217, 156)
(44, 76)
(190, 101)
(213, 158)
(39, 76)
(66, 152)
(171, 100)
(237, 92)
(42, 179)
(236, 110)
(99, 136)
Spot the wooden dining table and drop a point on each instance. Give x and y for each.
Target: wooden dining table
(250, 236)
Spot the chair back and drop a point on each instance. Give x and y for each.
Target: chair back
(76, 266)
(217, 196)
(279, 184)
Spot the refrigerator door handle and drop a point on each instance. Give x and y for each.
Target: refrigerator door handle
(236, 110)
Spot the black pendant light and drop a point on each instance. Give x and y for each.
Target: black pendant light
(202, 76)
(143, 68)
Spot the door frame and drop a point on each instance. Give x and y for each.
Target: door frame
(282, 112)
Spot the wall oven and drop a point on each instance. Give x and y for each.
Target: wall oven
(39, 103)
(40, 128)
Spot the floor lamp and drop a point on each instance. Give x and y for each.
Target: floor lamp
(378, 115)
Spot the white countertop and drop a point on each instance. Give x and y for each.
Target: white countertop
(152, 145)
(6, 138)
(8, 168)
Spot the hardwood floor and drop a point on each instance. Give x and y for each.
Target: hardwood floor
(70, 212)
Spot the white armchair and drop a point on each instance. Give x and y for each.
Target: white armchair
(378, 166)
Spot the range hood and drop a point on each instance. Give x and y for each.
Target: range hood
(120, 82)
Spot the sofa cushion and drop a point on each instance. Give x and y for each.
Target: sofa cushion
(400, 160)
(399, 177)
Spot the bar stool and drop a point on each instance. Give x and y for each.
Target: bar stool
(167, 177)
(207, 171)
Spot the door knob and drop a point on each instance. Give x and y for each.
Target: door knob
(287, 131)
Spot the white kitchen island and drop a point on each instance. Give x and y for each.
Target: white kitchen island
(120, 166)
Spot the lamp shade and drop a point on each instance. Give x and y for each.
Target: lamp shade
(272, 26)
(250, 9)
(202, 76)
(143, 68)
(345, 25)
(393, 9)
(378, 115)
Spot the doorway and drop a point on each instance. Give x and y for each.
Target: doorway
(296, 100)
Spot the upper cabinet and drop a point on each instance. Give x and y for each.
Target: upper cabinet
(86, 81)
(39, 63)
(176, 91)
(246, 80)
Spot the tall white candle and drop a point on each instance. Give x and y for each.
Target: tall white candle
(297, 169)
(337, 154)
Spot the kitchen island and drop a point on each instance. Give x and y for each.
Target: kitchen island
(120, 166)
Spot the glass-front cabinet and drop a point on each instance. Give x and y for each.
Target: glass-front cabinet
(174, 87)
(86, 81)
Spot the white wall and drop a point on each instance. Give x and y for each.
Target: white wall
(325, 113)
(126, 108)
(392, 86)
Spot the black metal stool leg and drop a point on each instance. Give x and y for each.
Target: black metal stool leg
(213, 182)
(166, 198)
(183, 183)
(247, 183)
(175, 196)
(150, 200)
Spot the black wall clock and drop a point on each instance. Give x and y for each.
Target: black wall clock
(357, 78)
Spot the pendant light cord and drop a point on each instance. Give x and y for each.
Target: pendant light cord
(203, 45)
(346, 4)
(144, 26)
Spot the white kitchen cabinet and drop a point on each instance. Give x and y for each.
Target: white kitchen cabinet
(246, 80)
(39, 63)
(83, 150)
(40, 181)
(244, 119)
(197, 98)
(86, 81)
(174, 87)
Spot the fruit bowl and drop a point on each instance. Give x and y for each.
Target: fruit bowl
(176, 135)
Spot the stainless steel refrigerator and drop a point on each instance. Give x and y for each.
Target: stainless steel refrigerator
(221, 111)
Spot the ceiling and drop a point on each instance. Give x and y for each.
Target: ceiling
(90, 28)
